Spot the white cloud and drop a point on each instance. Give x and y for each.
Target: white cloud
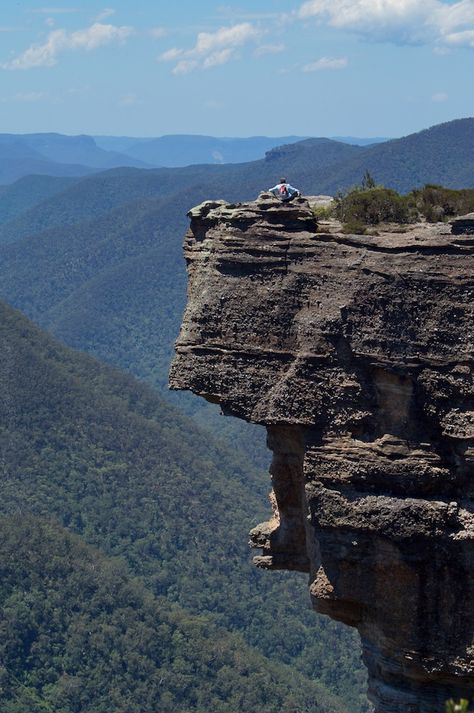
(463, 39)
(234, 36)
(85, 89)
(216, 58)
(106, 12)
(185, 66)
(58, 41)
(439, 97)
(212, 48)
(232, 13)
(325, 63)
(269, 49)
(171, 55)
(400, 21)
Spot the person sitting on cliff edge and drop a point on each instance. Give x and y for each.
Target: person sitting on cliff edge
(284, 191)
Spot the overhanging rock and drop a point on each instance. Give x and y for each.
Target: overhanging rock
(356, 353)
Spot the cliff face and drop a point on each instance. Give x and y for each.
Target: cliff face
(356, 353)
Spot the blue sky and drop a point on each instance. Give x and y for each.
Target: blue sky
(319, 68)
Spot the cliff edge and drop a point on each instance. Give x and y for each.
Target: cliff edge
(356, 353)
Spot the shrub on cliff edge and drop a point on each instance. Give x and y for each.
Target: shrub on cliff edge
(372, 206)
(438, 203)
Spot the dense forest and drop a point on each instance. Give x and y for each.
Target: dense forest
(103, 455)
(151, 494)
(79, 633)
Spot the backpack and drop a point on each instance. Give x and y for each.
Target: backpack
(283, 190)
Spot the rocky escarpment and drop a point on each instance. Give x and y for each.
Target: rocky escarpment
(356, 353)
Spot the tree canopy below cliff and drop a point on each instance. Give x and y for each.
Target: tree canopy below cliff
(80, 633)
(103, 455)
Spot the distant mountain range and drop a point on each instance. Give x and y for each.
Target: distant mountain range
(441, 154)
(183, 150)
(55, 155)
(59, 155)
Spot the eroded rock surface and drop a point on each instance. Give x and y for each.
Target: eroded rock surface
(356, 353)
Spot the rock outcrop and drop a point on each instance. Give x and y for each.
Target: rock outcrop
(356, 353)
(463, 225)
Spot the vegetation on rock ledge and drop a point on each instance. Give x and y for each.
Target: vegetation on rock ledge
(371, 204)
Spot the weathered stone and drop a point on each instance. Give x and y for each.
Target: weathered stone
(464, 225)
(356, 353)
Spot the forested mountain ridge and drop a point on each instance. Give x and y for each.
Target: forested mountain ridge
(18, 160)
(81, 149)
(102, 454)
(431, 155)
(114, 286)
(29, 191)
(80, 633)
(55, 155)
(442, 154)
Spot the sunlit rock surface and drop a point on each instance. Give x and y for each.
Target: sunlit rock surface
(356, 353)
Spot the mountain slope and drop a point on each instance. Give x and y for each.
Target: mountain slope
(184, 150)
(114, 284)
(443, 154)
(78, 149)
(65, 258)
(79, 633)
(56, 155)
(100, 193)
(18, 197)
(17, 159)
(104, 455)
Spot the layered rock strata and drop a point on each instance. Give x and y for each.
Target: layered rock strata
(356, 353)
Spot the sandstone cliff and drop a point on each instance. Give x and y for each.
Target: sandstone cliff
(356, 353)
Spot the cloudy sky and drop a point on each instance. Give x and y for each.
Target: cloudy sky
(153, 67)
